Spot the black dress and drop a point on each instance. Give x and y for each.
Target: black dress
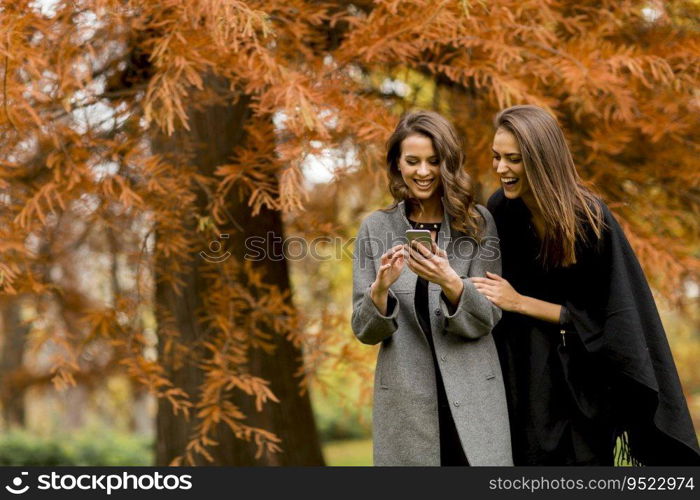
(451, 452)
(611, 374)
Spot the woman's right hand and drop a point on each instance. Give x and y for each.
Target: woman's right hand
(392, 263)
(390, 268)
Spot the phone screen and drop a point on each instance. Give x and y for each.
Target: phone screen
(421, 235)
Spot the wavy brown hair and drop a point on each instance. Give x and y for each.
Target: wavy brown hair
(568, 208)
(455, 181)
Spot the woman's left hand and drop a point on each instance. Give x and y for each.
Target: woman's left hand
(499, 291)
(432, 266)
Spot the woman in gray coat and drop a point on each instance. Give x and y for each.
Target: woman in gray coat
(438, 389)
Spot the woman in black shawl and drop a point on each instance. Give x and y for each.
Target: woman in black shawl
(585, 358)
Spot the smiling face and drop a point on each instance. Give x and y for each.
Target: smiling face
(508, 164)
(420, 167)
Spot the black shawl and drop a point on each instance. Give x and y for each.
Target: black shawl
(613, 372)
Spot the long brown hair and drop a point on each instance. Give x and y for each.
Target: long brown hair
(567, 207)
(456, 182)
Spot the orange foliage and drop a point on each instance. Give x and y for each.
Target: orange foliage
(85, 85)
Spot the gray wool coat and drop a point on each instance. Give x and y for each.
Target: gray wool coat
(405, 418)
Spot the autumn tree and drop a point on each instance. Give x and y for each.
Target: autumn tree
(145, 131)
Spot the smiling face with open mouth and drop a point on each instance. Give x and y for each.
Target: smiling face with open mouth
(420, 167)
(508, 163)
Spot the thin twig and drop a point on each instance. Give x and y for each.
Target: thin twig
(4, 93)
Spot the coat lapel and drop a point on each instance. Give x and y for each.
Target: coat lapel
(445, 241)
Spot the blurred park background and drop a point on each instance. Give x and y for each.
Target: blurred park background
(143, 144)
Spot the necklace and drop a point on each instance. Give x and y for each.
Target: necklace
(432, 226)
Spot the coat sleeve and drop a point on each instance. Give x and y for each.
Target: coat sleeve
(475, 315)
(368, 324)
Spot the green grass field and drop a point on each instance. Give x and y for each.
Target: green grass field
(348, 452)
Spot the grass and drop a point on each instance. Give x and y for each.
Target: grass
(348, 452)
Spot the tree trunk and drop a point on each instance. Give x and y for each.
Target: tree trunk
(13, 339)
(218, 129)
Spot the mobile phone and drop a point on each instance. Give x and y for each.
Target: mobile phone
(420, 235)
